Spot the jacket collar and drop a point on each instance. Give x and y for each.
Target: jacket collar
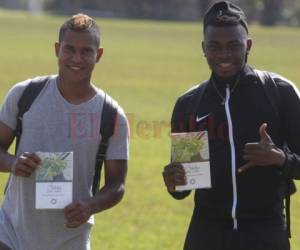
(248, 74)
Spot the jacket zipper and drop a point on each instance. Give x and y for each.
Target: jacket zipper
(233, 162)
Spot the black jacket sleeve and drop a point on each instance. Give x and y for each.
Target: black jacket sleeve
(290, 102)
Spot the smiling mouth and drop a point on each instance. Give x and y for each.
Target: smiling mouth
(225, 66)
(75, 68)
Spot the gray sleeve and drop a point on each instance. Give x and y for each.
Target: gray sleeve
(118, 144)
(9, 109)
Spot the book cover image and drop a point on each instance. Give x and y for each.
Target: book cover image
(55, 167)
(54, 180)
(192, 150)
(190, 147)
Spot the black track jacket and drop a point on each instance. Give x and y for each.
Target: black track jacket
(232, 118)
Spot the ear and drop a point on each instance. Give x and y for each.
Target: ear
(249, 45)
(57, 47)
(99, 54)
(203, 48)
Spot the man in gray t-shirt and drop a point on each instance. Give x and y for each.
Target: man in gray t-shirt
(65, 117)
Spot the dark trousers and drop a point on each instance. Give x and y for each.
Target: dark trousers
(3, 246)
(221, 236)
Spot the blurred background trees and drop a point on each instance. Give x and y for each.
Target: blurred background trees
(265, 12)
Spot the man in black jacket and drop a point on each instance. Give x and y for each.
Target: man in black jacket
(254, 143)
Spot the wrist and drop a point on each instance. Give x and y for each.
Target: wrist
(10, 165)
(92, 206)
(281, 158)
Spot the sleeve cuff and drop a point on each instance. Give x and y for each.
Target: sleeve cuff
(291, 167)
(180, 195)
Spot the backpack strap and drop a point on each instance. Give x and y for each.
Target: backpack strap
(196, 99)
(273, 95)
(27, 98)
(107, 127)
(271, 90)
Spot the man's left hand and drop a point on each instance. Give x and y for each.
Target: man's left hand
(77, 213)
(262, 153)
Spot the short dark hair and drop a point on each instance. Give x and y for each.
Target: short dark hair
(80, 23)
(225, 13)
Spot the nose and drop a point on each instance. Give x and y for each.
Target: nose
(225, 53)
(76, 57)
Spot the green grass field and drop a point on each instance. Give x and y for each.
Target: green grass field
(145, 66)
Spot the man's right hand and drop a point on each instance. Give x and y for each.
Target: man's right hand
(174, 175)
(25, 164)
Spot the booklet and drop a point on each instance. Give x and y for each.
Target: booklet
(54, 180)
(192, 150)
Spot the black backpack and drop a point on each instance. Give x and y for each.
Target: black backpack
(273, 95)
(108, 120)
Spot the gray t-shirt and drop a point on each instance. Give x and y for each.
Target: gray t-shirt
(54, 125)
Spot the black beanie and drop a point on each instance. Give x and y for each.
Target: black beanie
(225, 12)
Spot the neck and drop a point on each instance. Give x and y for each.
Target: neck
(225, 81)
(228, 80)
(75, 92)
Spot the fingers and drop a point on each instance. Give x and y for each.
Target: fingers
(71, 209)
(73, 224)
(246, 167)
(264, 136)
(255, 157)
(33, 157)
(76, 214)
(262, 130)
(254, 153)
(174, 175)
(25, 164)
(71, 213)
(252, 146)
(262, 154)
(258, 148)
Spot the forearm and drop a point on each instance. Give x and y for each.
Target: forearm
(107, 197)
(6, 160)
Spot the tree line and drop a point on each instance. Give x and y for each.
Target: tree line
(266, 12)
